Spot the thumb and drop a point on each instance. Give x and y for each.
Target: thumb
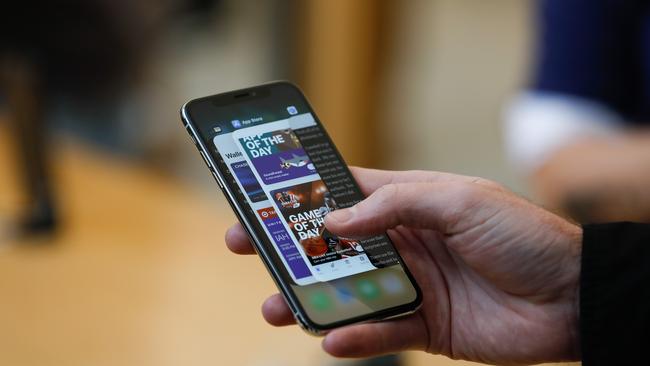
(417, 205)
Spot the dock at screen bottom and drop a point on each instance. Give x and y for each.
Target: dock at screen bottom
(358, 295)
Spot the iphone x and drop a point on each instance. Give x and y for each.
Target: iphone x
(282, 174)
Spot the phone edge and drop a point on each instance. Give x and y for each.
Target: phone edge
(308, 326)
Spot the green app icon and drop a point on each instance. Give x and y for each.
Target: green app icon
(368, 289)
(320, 301)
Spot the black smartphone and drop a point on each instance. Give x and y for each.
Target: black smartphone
(281, 173)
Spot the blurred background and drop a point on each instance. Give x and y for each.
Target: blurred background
(111, 227)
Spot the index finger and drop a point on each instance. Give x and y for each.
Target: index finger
(370, 180)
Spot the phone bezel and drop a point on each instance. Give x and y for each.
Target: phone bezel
(296, 307)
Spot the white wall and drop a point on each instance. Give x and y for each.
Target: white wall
(453, 65)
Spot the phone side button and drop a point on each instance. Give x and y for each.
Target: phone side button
(216, 177)
(189, 131)
(205, 158)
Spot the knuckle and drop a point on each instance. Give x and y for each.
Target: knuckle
(487, 183)
(466, 194)
(463, 197)
(386, 192)
(425, 175)
(384, 205)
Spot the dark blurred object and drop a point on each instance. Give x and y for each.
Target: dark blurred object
(598, 50)
(388, 360)
(594, 57)
(24, 97)
(86, 51)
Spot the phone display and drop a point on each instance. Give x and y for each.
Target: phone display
(282, 175)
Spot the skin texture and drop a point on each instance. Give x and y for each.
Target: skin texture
(499, 275)
(598, 180)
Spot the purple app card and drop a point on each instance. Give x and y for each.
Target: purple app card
(247, 180)
(283, 241)
(277, 156)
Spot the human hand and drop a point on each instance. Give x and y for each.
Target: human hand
(598, 180)
(499, 275)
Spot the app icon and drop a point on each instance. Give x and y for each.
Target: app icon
(236, 123)
(292, 110)
(391, 283)
(319, 300)
(344, 294)
(216, 129)
(368, 289)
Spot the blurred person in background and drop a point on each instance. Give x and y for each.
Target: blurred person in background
(69, 67)
(581, 132)
(79, 56)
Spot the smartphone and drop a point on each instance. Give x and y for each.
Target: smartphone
(282, 174)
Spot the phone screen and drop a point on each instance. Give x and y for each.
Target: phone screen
(287, 176)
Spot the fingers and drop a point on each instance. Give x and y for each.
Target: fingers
(358, 340)
(375, 339)
(237, 240)
(436, 206)
(276, 311)
(372, 179)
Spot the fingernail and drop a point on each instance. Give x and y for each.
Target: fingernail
(342, 215)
